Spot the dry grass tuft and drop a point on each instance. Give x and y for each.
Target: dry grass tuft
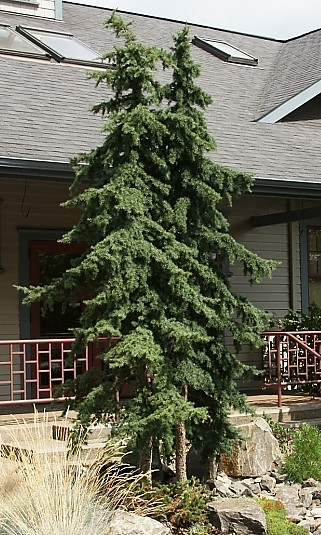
(55, 493)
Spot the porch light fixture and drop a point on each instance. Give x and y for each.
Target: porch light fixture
(1, 268)
(225, 51)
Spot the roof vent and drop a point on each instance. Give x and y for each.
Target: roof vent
(225, 51)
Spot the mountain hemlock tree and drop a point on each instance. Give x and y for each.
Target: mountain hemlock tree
(151, 213)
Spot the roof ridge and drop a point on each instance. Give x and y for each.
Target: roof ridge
(198, 25)
(264, 97)
(301, 35)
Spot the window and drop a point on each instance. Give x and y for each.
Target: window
(13, 43)
(224, 51)
(60, 46)
(314, 264)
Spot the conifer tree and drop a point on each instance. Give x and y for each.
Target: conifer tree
(151, 203)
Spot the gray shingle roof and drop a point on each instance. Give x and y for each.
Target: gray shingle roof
(44, 105)
(297, 66)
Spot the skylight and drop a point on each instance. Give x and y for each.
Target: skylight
(224, 51)
(61, 46)
(13, 43)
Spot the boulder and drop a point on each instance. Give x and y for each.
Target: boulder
(242, 516)
(124, 523)
(256, 455)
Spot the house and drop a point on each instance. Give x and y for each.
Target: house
(266, 120)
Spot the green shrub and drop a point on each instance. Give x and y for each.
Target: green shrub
(305, 460)
(277, 523)
(183, 505)
(297, 321)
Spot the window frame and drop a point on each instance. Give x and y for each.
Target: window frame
(38, 54)
(60, 58)
(305, 225)
(215, 50)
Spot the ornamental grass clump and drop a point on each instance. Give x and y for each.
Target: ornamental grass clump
(305, 460)
(53, 493)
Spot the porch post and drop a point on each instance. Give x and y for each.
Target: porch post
(278, 368)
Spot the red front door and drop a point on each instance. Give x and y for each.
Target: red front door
(48, 259)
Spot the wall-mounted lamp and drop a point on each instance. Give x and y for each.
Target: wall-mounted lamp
(1, 268)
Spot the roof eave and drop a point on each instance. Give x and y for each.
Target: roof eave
(291, 104)
(62, 171)
(286, 188)
(36, 169)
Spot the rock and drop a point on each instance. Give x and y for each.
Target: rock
(306, 496)
(289, 496)
(238, 515)
(254, 487)
(240, 489)
(316, 492)
(316, 512)
(223, 489)
(124, 523)
(268, 483)
(279, 478)
(310, 483)
(304, 524)
(256, 454)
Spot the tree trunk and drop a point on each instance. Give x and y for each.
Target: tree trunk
(157, 466)
(117, 400)
(180, 435)
(145, 462)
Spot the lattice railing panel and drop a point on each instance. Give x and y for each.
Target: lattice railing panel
(31, 370)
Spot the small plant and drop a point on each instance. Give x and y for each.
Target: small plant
(284, 435)
(298, 321)
(277, 523)
(183, 505)
(305, 460)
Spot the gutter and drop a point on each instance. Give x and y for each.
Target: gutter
(36, 169)
(62, 171)
(287, 188)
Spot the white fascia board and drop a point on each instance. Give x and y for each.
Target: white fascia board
(292, 104)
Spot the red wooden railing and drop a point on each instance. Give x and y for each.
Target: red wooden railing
(291, 358)
(32, 370)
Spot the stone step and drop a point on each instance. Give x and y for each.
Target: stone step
(26, 439)
(299, 412)
(97, 433)
(298, 423)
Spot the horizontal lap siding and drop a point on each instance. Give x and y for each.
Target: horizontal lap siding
(36, 205)
(270, 242)
(25, 205)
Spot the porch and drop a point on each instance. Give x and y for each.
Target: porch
(32, 371)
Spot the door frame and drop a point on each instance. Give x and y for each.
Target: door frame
(25, 236)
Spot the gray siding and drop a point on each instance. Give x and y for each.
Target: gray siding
(33, 205)
(282, 291)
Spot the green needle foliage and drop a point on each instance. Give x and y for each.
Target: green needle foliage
(151, 203)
